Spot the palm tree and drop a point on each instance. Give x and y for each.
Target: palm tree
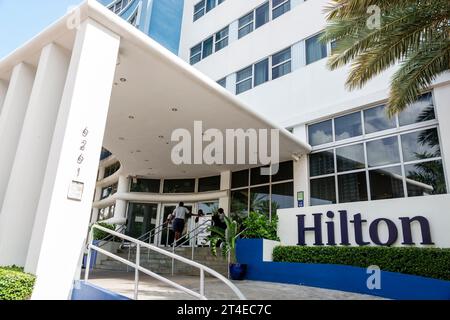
(413, 33)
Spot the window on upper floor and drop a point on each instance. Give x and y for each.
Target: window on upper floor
(204, 6)
(244, 80)
(280, 7)
(209, 46)
(253, 20)
(281, 63)
(221, 39)
(315, 50)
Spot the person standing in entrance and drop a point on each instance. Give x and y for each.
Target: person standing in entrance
(179, 214)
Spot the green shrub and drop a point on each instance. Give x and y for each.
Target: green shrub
(99, 234)
(426, 262)
(15, 284)
(259, 226)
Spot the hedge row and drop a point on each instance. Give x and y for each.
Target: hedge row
(426, 262)
(15, 284)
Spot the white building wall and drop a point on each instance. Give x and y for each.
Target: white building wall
(309, 93)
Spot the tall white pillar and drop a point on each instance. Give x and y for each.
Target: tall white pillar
(64, 209)
(24, 187)
(3, 90)
(11, 119)
(441, 99)
(120, 211)
(301, 177)
(225, 185)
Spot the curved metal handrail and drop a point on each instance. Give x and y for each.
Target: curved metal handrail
(138, 268)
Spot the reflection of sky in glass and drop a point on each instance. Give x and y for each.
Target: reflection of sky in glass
(350, 158)
(376, 119)
(419, 111)
(415, 149)
(321, 133)
(348, 126)
(383, 152)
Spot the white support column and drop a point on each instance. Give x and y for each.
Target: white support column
(225, 185)
(120, 212)
(3, 89)
(441, 99)
(64, 209)
(24, 187)
(301, 176)
(11, 119)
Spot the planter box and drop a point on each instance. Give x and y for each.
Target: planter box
(253, 252)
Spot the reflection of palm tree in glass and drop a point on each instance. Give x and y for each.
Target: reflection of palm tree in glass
(429, 173)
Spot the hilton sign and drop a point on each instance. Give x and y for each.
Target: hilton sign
(358, 224)
(421, 221)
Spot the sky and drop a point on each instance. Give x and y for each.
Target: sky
(21, 20)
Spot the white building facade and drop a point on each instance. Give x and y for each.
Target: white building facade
(268, 71)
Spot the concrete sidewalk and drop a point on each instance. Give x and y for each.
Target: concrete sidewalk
(152, 289)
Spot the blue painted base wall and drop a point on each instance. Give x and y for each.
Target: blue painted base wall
(86, 291)
(337, 277)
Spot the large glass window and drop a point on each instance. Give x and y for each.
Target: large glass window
(321, 163)
(386, 183)
(350, 158)
(420, 111)
(348, 126)
(209, 184)
(420, 145)
(179, 186)
(391, 164)
(196, 54)
(315, 50)
(383, 152)
(320, 133)
(109, 191)
(352, 187)
(376, 119)
(323, 191)
(280, 7)
(145, 185)
(263, 193)
(281, 63)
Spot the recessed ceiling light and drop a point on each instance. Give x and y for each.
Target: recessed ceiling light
(123, 80)
(138, 151)
(121, 138)
(174, 109)
(131, 117)
(147, 160)
(161, 137)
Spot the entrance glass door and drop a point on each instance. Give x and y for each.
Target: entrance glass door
(167, 236)
(142, 218)
(209, 209)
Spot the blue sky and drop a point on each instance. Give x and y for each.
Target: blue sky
(21, 20)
